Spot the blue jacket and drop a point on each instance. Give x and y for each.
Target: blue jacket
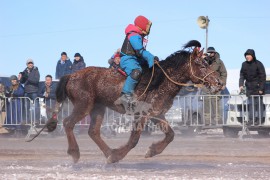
(50, 100)
(15, 105)
(63, 68)
(136, 40)
(52, 91)
(18, 92)
(133, 56)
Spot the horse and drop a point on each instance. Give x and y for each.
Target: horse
(93, 89)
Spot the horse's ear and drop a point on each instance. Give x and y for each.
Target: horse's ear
(200, 53)
(194, 53)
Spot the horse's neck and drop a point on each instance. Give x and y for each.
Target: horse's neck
(177, 75)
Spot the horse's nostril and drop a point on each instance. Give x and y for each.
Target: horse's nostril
(220, 83)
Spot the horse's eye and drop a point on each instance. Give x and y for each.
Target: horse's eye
(203, 67)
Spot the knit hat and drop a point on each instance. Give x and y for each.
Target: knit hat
(77, 55)
(29, 61)
(211, 50)
(117, 55)
(143, 23)
(63, 53)
(13, 77)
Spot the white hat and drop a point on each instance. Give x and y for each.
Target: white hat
(29, 60)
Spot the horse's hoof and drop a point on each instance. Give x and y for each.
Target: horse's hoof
(149, 154)
(52, 126)
(75, 159)
(111, 160)
(117, 102)
(75, 155)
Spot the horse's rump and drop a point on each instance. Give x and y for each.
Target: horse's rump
(97, 82)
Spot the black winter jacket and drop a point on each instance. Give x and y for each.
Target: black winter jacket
(253, 73)
(78, 65)
(30, 80)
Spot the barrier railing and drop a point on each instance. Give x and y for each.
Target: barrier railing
(16, 111)
(203, 111)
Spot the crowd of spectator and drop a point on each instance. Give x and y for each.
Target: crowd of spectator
(20, 102)
(15, 110)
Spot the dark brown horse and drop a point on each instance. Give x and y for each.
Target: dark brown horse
(93, 89)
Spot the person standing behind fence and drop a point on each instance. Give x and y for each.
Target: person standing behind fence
(78, 63)
(212, 109)
(47, 91)
(253, 74)
(63, 66)
(3, 130)
(30, 79)
(14, 103)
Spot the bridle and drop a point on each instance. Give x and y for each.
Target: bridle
(202, 79)
(192, 73)
(178, 83)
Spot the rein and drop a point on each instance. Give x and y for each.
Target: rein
(177, 83)
(192, 73)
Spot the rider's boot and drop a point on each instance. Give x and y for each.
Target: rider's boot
(128, 101)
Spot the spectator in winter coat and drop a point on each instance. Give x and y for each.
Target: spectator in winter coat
(15, 103)
(212, 109)
(78, 63)
(253, 74)
(47, 91)
(30, 79)
(63, 66)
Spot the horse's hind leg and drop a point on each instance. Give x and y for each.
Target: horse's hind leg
(77, 114)
(158, 147)
(97, 115)
(120, 153)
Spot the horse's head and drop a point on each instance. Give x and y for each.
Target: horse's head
(201, 73)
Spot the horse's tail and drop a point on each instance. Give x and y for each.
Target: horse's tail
(192, 43)
(61, 91)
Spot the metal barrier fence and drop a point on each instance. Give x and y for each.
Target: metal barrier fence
(203, 111)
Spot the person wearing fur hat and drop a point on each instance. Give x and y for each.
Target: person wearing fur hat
(78, 63)
(134, 54)
(253, 77)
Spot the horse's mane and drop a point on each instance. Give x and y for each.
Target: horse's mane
(173, 61)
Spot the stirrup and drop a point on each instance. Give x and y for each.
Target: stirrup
(128, 102)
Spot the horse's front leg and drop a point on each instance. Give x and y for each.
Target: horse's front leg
(158, 147)
(121, 152)
(69, 123)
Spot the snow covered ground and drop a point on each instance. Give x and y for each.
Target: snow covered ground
(208, 156)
